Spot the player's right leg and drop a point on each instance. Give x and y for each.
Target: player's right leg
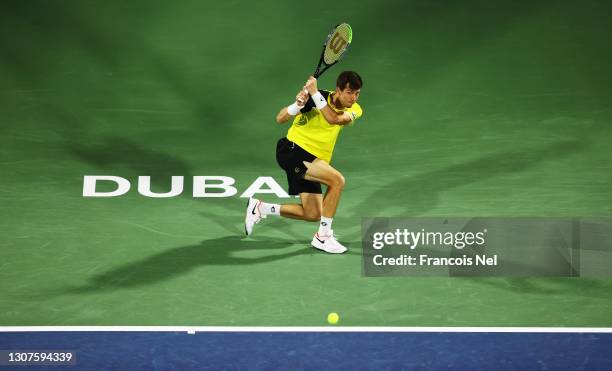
(321, 172)
(310, 209)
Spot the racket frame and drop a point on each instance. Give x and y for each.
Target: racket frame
(318, 72)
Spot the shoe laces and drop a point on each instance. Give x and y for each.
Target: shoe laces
(331, 235)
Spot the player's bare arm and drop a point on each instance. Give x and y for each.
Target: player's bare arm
(333, 117)
(287, 113)
(305, 153)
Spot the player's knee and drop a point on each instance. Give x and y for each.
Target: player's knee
(339, 181)
(312, 215)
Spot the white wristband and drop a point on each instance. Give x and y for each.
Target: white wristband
(319, 100)
(293, 109)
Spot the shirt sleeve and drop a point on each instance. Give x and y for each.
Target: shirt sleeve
(356, 112)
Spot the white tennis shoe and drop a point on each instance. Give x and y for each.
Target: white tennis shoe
(328, 243)
(253, 215)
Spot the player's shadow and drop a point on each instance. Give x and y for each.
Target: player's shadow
(181, 260)
(417, 195)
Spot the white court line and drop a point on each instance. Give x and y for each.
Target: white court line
(194, 329)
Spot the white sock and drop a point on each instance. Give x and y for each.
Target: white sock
(269, 209)
(325, 226)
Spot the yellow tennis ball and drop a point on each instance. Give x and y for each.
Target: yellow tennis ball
(333, 318)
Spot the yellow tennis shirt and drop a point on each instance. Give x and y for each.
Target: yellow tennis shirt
(311, 131)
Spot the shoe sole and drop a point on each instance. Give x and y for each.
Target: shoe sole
(245, 218)
(321, 249)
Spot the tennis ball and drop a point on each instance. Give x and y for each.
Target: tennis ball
(333, 318)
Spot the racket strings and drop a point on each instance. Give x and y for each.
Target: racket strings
(337, 43)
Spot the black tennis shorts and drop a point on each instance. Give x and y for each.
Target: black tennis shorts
(290, 158)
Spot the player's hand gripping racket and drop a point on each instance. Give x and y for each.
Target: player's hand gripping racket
(335, 47)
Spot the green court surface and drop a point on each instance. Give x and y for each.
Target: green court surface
(471, 108)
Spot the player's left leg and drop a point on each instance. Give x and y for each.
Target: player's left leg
(313, 206)
(309, 210)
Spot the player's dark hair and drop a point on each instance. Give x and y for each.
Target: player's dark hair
(351, 78)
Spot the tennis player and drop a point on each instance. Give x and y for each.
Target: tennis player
(305, 154)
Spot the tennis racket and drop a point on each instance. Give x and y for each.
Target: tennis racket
(335, 46)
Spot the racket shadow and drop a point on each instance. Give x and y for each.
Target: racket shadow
(412, 196)
(563, 287)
